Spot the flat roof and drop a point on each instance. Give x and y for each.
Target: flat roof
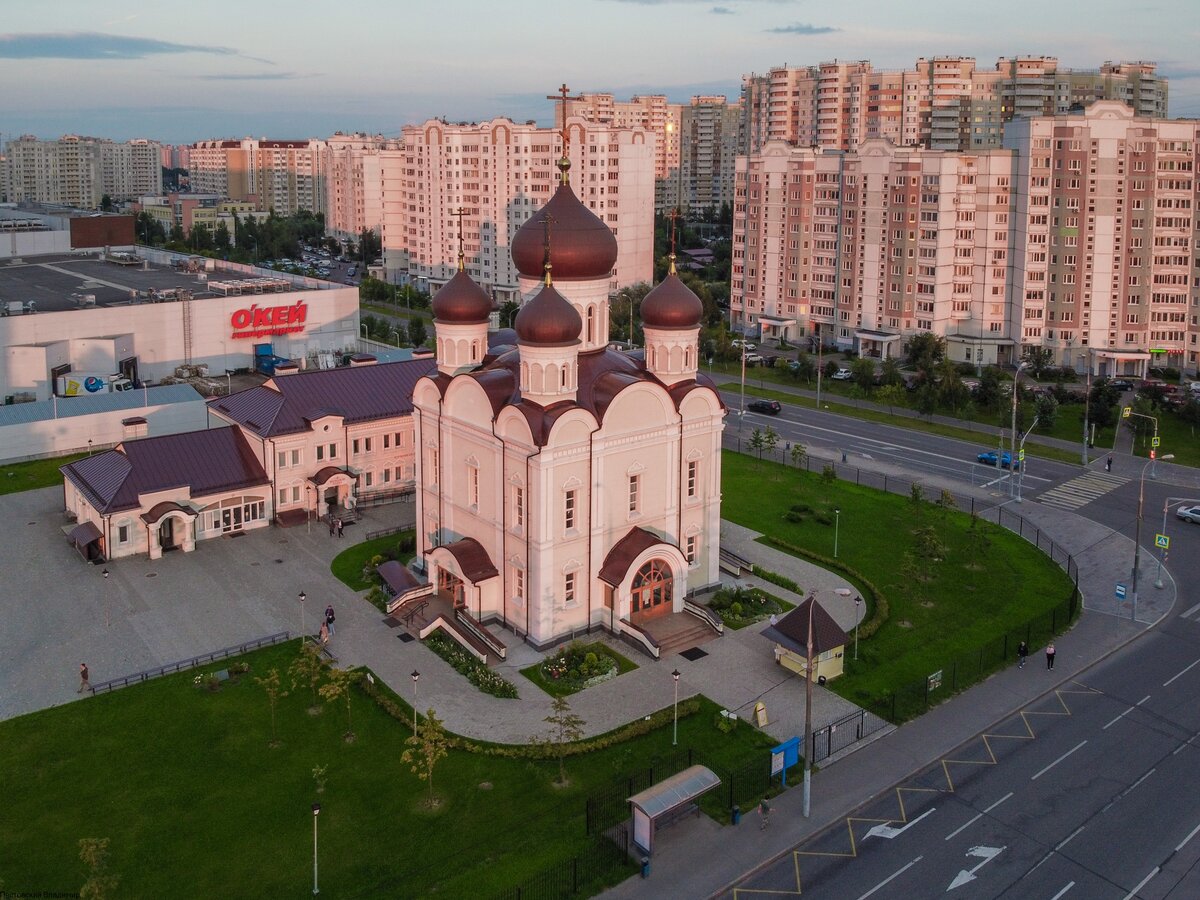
(51, 280)
(68, 407)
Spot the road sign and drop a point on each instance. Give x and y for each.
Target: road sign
(1155, 441)
(1120, 591)
(1126, 411)
(935, 680)
(1021, 454)
(1162, 542)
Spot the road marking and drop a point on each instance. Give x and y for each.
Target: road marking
(986, 854)
(1081, 490)
(1136, 783)
(956, 831)
(894, 875)
(998, 802)
(1069, 838)
(1070, 885)
(1057, 761)
(1181, 674)
(1191, 835)
(1190, 611)
(1141, 884)
(1127, 712)
(887, 831)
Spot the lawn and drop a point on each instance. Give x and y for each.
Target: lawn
(196, 804)
(1177, 437)
(347, 566)
(975, 596)
(34, 474)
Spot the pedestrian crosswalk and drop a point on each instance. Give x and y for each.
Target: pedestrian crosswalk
(1081, 490)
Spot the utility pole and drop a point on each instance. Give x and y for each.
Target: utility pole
(812, 602)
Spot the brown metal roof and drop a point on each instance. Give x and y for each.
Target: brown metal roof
(827, 634)
(85, 533)
(398, 577)
(581, 245)
(167, 506)
(671, 304)
(323, 475)
(624, 552)
(474, 561)
(461, 301)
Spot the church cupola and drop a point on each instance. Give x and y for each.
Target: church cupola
(671, 315)
(461, 311)
(548, 329)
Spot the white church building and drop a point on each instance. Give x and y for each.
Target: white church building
(563, 485)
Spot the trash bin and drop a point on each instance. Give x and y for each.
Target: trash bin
(735, 815)
(645, 867)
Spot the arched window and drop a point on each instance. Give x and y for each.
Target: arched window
(591, 324)
(652, 588)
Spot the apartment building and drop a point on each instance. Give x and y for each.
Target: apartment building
(498, 173)
(944, 103)
(354, 183)
(710, 140)
(79, 171)
(286, 176)
(1077, 235)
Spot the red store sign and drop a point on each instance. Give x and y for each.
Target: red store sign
(264, 321)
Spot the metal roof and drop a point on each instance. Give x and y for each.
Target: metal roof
(68, 407)
(675, 791)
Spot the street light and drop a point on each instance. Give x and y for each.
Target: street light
(397, 334)
(108, 619)
(1137, 533)
(1012, 481)
(316, 812)
(808, 661)
(857, 619)
(415, 677)
(303, 597)
(1162, 556)
(837, 519)
(89, 446)
(1016, 466)
(362, 326)
(675, 731)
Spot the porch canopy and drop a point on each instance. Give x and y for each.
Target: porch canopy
(670, 796)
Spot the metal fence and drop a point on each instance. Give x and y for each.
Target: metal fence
(184, 664)
(610, 804)
(846, 732)
(606, 856)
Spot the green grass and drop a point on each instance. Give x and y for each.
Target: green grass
(347, 566)
(1177, 437)
(558, 688)
(34, 474)
(196, 804)
(974, 598)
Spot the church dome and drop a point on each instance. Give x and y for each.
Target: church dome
(548, 319)
(460, 301)
(582, 247)
(671, 304)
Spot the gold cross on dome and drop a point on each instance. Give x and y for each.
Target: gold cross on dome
(564, 94)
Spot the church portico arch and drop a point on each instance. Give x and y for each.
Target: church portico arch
(647, 574)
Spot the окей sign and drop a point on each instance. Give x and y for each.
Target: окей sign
(262, 321)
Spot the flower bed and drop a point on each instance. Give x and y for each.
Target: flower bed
(465, 664)
(739, 607)
(577, 666)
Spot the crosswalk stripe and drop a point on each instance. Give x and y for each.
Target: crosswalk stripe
(1081, 490)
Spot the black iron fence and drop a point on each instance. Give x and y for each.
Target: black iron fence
(843, 733)
(610, 804)
(184, 664)
(594, 866)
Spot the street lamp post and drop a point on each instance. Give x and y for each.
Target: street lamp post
(108, 618)
(316, 808)
(1137, 531)
(812, 601)
(857, 618)
(1162, 556)
(397, 334)
(837, 520)
(675, 730)
(89, 446)
(415, 677)
(742, 408)
(303, 597)
(1016, 390)
(1017, 464)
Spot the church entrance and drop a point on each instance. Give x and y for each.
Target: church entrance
(451, 586)
(650, 595)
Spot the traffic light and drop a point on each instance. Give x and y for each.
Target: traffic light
(1152, 454)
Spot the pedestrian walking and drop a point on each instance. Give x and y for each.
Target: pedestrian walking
(324, 634)
(329, 617)
(340, 526)
(84, 685)
(1108, 463)
(1022, 652)
(764, 812)
(1050, 651)
(332, 525)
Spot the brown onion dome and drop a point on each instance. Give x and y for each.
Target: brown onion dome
(460, 301)
(582, 247)
(671, 304)
(548, 319)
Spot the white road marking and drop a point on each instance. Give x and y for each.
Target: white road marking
(1057, 761)
(986, 854)
(894, 875)
(1181, 674)
(1068, 838)
(1190, 611)
(1127, 712)
(1070, 885)
(956, 831)
(1141, 884)
(998, 802)
(1136, 783)
(887, 831)
(1191, 835)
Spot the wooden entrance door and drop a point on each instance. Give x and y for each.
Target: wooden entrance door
(451, 585)
(166, 533)
(650, 595)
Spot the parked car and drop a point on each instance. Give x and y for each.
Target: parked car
(753, 359)
(842, 375)
(1190, 514)
(743, 345)
(989, 458)
(1121, 384)
(770, 407)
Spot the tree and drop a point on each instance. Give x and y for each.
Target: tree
(272, 684)
(758, 442)
(988, 394)
(1047, 411)
(338, 688)
(978, 543)
(863, 370)
(1102, 403)
(928, 551)
(106, 203)
(952, 393)
(830, 368)
(924, 351)
(623, 309)
(369, 246)
(416, 332)
(568, 727)
(1038, 360)
(508, 313)
(770, 440)
(221, 239)
(891, 395)
(890, 374)
(100, 885)
(425, 749)
(799, 454)
(805, 369)
(308, 669)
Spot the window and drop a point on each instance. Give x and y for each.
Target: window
(295, 493)
(692, 551)
(635, 486)
(387, 440)
(122, 534)
(282, 496)
(320, 452)
(354, 447)
(518, 584)
(569, 511)
(295, 457)
(282, 459)
(569, 582)
(369, 479)
(434, 466)
(367, 444)
(693, 477)
(519, 506)
(473, 486)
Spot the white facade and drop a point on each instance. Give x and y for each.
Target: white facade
(79, 171)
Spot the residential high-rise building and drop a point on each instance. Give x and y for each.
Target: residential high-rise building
(709, 141)
(498, 173)
(79, 171)
(944, 103)
(284, 176)
(354, 200)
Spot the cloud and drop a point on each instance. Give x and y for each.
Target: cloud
(258, 76)
(94, 45)
(802, 28)
(721, 11)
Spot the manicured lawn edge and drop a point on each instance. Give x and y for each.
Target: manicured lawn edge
(347, 567)
(878, 609)
(469, 667)
(775, 578)
(561, 688)
(33, 474)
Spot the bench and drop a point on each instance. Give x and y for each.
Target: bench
(677, 814)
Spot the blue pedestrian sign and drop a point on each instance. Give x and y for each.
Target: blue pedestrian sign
(1162, 541)
(1120, 591)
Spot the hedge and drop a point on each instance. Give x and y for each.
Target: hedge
(775, 578)
(876, 600)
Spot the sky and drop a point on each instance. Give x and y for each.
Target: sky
(184, 71)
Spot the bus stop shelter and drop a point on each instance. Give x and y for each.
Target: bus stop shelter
(663, 803)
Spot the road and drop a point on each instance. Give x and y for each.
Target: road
(1091, 791)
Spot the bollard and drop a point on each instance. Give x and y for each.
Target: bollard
(645, 867)
(735, 815)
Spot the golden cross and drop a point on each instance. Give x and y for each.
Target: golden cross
(458, 214)
(674, 217)
(563, 96)
(546, 220)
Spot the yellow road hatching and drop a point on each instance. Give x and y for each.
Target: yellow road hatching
(1025, 717)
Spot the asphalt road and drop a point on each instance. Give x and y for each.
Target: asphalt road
(1093, 791)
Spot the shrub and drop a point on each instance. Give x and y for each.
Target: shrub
(775, 578)
(875, 599)
(578, 666)
(465, 664)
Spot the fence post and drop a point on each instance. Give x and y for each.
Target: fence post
(885, 491)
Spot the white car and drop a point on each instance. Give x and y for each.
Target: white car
(743, 345)
(1190, 514)
(842, 375)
